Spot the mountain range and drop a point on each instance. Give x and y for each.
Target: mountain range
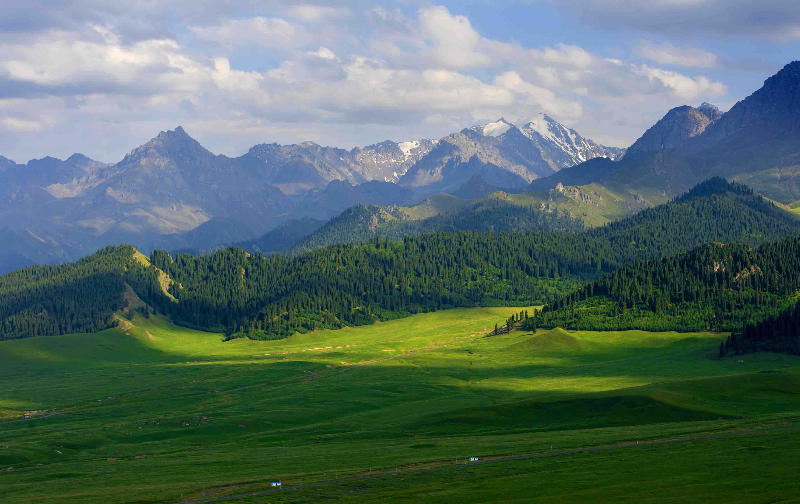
(172, 193)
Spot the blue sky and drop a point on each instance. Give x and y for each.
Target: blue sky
(100, 78)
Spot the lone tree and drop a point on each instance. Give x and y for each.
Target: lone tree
(496, 329)
(722, 348)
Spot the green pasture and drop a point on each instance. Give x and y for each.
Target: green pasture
(150, 412)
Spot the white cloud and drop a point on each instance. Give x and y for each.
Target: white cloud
(564, 54)
(423, 76)
(316, 13)
(548, 76)
(537, 99)
(255, 31)
(22, 125)
(689, 88)
(668, 54)
(242, 84)
(455, 42)
(324, 53)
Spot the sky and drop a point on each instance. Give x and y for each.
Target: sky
(102, 77)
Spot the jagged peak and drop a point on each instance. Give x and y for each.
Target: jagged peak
(6, 163)
(166, 142)
(79, 158)
(710, 111)
(708, 106)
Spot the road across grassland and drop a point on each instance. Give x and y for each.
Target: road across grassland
(496, 461)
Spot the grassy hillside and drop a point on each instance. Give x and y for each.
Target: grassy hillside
(149, 412)
(434, 205)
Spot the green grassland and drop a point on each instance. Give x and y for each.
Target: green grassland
(150, 412)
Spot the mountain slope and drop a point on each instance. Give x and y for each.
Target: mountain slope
(756, 142)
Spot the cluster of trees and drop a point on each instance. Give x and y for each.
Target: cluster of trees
(512, 321)
(718, 287)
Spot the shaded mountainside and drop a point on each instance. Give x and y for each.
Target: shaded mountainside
(675, 129)
(582, 174)
(340, 195)
(474, 188)
(284, 237)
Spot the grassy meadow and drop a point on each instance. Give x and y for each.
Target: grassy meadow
(150, 412)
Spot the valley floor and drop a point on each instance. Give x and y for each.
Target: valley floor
(150, 412)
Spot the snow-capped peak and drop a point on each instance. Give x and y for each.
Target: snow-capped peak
(494, 129)
(544, 126)
(565, 146)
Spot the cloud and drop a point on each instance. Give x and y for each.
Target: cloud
(668, 54)
(537, 99)
(15, 124)
(317, 13)
(564, 54)
(240, 83)
(256, 31)
(374, 74)
(684, 87)
(58, 59)
(455, 42)
(324, 53)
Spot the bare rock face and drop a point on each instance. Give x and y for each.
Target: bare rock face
(676, 128)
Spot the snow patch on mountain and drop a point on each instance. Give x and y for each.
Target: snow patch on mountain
(407, 147)
(564, 146)
(494, 129)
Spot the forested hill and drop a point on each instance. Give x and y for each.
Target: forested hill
(270, 297)
(716, 286)
(713, 211)
(74, 297)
